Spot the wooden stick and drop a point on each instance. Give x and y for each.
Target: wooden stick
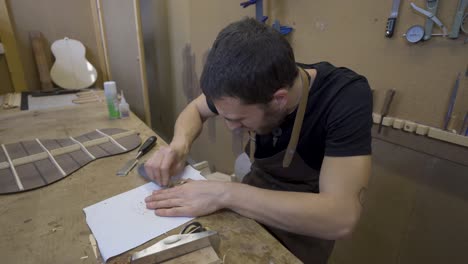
(111, 139)
(83, 148)
(51, 157)
(13, 170)
(99, 32)
(142, 64)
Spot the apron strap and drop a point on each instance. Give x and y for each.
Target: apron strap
(288, 156)
(252, 139)
(296, 128)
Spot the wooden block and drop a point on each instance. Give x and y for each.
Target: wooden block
(376, 118)
(388, 121)
(206, 255)
(203, 167)
(422, 130)
(410, 126)
(398, 123)
(218, 176)
(448, 136)
(12, 100)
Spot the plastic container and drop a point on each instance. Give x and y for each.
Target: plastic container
(124, 108)
(110, 91)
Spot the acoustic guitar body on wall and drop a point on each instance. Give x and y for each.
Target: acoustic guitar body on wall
(71, 70)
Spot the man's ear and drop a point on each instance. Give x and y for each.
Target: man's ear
(280, 98)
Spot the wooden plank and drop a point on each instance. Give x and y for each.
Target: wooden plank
(7, 35)
(141, 58)
(99, 32)
(424, 144)
(42, 63)
(206, 255)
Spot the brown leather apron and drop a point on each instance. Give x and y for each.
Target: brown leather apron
(287, 171)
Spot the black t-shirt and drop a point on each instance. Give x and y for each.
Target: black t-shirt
(337, 121)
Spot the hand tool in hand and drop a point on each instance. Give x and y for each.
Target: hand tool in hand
(145, 147)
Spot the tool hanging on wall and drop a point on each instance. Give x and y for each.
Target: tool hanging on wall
(258, 9)
(386, 106)
(453, 98)
(283, 29)
(417, 33)
(459, 19)
(431, 7)
(391, 21)
(464, 130)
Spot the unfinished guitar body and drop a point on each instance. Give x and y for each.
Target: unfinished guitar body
(35, 163)
(71, 70)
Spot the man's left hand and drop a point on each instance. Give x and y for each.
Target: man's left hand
(194, 198)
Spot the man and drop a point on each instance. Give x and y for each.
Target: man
(311, 141)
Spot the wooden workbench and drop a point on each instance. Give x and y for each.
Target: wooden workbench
(48, 225)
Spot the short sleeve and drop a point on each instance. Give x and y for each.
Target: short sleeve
(349, 121)
(211, 105)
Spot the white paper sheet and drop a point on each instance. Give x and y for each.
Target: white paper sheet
(122, 222)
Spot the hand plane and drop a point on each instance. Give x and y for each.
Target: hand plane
(178, 245)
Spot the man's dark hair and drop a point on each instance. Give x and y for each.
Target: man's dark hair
(250, 61)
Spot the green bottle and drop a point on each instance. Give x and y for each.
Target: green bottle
(110, 91)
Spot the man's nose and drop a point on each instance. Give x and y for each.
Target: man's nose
(233, 125)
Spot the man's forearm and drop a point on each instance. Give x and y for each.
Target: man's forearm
(187, 128)
(310, 214)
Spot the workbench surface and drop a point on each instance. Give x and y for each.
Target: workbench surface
(48, 225)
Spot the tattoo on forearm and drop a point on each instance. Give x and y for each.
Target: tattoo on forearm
(362, 195)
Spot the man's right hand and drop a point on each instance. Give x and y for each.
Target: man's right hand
(169, 161)
(166, 162)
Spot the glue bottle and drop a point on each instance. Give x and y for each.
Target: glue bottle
(124, 109)
(110, 91)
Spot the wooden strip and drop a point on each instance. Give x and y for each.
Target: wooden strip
(448, 137)
(13, 170)
(83, 148)
(12, 53)
(141, 56)
(51, 157)
(99, 32)
(111, 139)
(4, 165)
(30, 158)
(65, 150)
(123, 134)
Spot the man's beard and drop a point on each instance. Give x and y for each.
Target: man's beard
(271, 119)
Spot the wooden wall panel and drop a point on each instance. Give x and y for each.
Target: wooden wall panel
(155, 27)
(8, 35)
(5, 81)
(351, 34)
(415, 211)
(122, 48)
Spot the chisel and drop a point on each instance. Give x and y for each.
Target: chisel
(451, 105)
(386, 106)
(145, 147)
(391, 21)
